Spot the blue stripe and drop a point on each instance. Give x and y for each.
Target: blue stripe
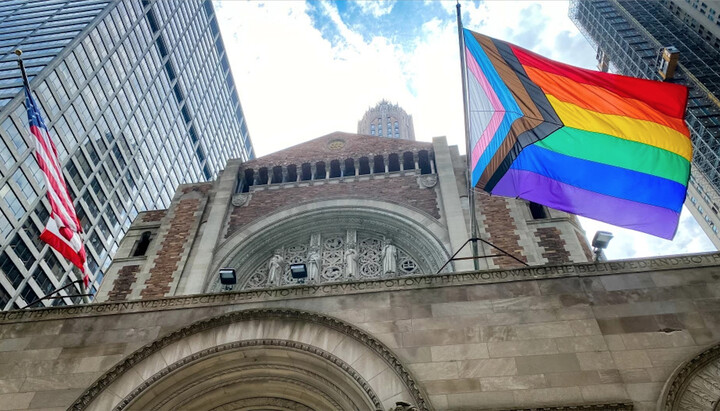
(511, 108)
(602, 178)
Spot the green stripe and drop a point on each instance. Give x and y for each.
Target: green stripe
(605, 149)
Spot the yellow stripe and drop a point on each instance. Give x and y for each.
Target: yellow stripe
(626, 128)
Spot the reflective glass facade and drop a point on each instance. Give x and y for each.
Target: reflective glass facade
(139, 98)
(630, 36)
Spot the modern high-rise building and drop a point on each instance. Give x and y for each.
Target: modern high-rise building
(138, 96)
(657, 40)
(387, 120)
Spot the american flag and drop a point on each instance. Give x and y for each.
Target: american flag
(63, 231)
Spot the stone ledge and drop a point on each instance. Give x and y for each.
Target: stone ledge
(360, 287)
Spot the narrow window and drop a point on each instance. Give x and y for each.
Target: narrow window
(393, 162)
(335, 169)
(424, 162)
(538, 211)
(306, 172)
(349, 167)
(142, 245)
(378, 164)
(408, 161)
(364, 165)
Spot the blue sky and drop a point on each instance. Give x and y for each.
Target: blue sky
(305, 69)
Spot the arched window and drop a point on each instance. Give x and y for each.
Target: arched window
(249, 180)
(320, 172)
(538, 211)
(408, 161)
(335, 169)
(142, 244)
(424, 162)
(349, 167)
(364, 165)
(393, 162)
(306, 172)
(263, 175)
(277, 176)
(378, 164)
(291, 173)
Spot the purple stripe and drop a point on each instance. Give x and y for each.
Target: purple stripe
(650, 219)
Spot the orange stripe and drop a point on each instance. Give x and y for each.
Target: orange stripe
(600, 100)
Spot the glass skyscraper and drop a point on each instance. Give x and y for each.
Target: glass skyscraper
(138, 97)
(630, 37)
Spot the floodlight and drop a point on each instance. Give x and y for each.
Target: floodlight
(600, 242)
(601, 239)
(227, 276)
(298, 271)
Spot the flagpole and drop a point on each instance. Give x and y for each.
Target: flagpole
(468, 153)
(26, 83)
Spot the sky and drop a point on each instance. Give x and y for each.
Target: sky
(306, 69)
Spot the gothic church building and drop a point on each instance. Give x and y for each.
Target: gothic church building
(379, 319)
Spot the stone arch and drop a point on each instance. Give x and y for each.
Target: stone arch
(416, 232)
(695, 384)
(259, 357)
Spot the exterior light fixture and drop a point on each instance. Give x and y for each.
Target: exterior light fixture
(298, 271)
(599, 243)
(228, 278)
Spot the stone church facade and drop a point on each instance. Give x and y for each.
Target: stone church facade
(380, 322)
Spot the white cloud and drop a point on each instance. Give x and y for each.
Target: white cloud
(296, 85)
(376, 8)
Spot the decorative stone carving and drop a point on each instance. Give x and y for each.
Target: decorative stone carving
(351, 262)
(695, 386)
(411, 385)
(403, 406)
(427, 180)
(275, 269)
(334, 257)
(389, 258)
(241, 199)
(313, 266)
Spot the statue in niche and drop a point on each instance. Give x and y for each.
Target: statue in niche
(275, 269)
(389, 258)
(313, 266)
(351, 262)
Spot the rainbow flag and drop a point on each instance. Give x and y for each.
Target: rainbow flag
(604, 146)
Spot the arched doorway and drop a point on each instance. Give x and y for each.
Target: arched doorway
(268, 359)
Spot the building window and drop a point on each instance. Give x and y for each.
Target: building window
(537, 211)
(142, 244)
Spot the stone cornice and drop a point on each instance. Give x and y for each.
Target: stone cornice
(360, 287)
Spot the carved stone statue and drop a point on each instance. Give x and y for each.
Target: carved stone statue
(351, 263)
(275, 269)
(313, 266)
(389, 258)
(403, 406)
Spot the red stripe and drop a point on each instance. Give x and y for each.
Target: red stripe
(58, 187)
(63, 248)
(667, 98)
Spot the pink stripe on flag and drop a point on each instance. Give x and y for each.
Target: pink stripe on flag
(497, 116)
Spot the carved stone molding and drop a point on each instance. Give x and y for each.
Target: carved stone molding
(410, 383)
(427, 180)
(241, 199)
(695, 385)
(620, 406)
(285, 344)
(262, 402)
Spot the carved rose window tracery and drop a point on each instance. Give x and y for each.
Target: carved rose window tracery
(343, 256)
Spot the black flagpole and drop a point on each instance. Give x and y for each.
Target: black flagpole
(468, 153)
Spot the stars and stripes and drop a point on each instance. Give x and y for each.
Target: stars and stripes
(63, 230)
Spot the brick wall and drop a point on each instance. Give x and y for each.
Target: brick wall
(173, 247)
(153, 216)
(555, 248)
(356, 146)
(123, 282)
(401, 190)
(493, 212)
